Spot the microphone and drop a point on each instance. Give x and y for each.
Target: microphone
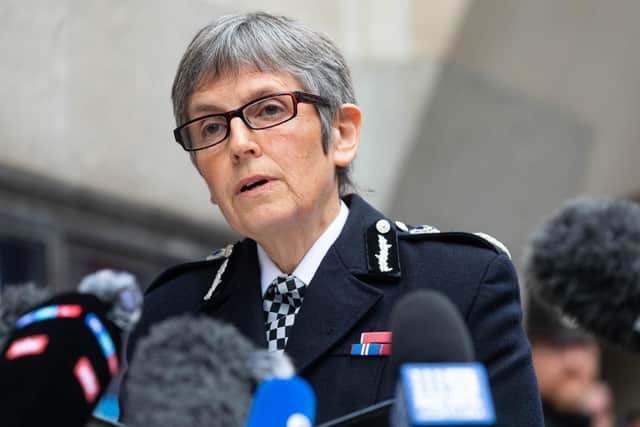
(60, 356)
(446, 339)
(120, 292)
(439, 384)
(585, 260)
(283, 403)
(15, 300)
(264, 365)
(198, 371)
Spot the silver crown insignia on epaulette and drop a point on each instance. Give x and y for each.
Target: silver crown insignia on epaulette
(418, 229)
(423, 229)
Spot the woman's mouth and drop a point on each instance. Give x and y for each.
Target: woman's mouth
(252, 185)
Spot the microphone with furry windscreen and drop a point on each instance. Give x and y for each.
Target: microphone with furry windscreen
(585, 260)
(61, 355)
(197, 371)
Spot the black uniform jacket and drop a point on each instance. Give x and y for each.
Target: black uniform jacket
(352, 293)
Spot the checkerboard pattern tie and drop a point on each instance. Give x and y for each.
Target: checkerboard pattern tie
(281, 303)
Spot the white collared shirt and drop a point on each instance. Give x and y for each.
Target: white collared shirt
(312, 259)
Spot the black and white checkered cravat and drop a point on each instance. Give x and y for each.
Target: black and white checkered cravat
(281, 303)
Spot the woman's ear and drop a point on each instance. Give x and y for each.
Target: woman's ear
(346, 138)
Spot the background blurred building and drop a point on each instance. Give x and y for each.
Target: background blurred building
(478, 115)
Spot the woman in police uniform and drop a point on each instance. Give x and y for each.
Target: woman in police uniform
(265, 106)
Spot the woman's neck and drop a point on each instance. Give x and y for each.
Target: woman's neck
(288, 247)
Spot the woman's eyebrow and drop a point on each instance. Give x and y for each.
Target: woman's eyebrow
(204, 108)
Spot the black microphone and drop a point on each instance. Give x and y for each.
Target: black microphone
(196, 371)
(427, 327)
(432, 355)
(61, 355)
(585, 260)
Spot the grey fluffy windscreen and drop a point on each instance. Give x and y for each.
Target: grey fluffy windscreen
(15, 300)
(585, 259)
(265, 364)
(120, 291)
(189, 371)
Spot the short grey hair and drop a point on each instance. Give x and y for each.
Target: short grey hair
(271, 44)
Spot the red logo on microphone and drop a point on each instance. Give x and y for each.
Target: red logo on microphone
(87, 378)
(28, 346)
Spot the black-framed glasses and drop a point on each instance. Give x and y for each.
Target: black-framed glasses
(262, 113)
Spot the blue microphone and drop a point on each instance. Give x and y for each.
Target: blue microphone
(281, 402)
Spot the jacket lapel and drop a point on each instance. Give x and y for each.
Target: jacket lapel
(239, 302)
(333, 304)
(337, 297)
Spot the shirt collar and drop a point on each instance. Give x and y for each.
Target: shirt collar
(311, 260)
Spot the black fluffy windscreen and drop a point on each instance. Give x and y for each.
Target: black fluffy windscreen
(190, 371)
(585, 259)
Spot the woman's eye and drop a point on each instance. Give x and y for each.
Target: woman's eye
(212, 129)
(272, 109)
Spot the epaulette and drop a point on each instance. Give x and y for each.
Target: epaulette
(420, 232)
(219, 254)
